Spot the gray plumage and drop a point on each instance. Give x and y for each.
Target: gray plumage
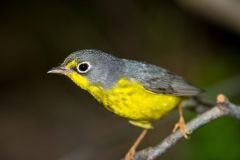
(107, 68)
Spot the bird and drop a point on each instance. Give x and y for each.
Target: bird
(137, 91)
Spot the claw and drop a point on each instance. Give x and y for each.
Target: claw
(132, 150)
(181, 124)
(182, 127)
(130, 154)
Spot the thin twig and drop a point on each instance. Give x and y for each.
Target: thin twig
(223, 108)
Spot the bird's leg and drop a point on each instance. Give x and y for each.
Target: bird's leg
(181, 124)
(132, 150)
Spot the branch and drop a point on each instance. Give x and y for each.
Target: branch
(223, 108)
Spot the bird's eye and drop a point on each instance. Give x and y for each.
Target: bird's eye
(83, 67)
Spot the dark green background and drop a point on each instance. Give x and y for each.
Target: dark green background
(48, 117)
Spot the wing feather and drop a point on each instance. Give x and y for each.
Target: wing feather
(159, 80)
(171, 83)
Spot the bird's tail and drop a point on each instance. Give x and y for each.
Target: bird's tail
(197, 104)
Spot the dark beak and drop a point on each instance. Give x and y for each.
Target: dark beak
(59, 70)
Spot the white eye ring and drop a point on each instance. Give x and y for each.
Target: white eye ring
(83, 67)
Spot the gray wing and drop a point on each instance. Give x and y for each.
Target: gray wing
(171, 83)
(160, 80)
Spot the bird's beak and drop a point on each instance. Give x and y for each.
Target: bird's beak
(59, 70)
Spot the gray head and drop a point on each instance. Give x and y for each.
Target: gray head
(94, 67)
(98, 67)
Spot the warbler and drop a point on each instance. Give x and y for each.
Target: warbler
(137, 91)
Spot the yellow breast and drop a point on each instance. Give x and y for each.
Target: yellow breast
(129, 99)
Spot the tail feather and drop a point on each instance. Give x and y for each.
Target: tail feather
(197, 104)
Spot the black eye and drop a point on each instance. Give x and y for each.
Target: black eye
(83, 67)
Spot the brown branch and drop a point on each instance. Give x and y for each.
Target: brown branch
(223, 108)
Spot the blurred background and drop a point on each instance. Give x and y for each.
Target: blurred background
(48, 117)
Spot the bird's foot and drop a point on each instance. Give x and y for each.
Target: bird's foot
(130, 154)
(182, 127)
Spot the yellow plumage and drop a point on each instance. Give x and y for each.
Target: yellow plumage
(129, 99)
(137, 91)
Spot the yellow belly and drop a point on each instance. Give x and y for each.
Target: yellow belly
(130, 100)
